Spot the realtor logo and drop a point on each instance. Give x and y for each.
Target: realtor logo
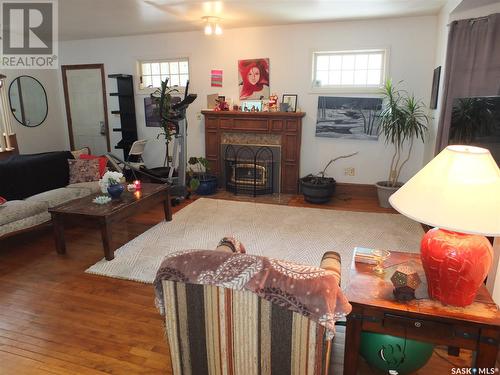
(29, 34)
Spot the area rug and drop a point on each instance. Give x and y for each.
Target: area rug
(293, 233)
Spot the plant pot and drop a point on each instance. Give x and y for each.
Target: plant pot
(208, 184)
(317, 189)
(384, 191)
(115, 191)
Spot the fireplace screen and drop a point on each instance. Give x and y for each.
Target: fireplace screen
(249, 169)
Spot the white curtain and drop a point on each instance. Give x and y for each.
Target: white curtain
(5, 125)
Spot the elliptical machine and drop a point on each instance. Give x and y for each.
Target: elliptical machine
(178, 188)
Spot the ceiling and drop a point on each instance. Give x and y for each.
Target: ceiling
(85, 19)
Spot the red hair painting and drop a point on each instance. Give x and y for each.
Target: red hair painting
(254, 78)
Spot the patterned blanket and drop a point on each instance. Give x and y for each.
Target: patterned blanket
(310, 291)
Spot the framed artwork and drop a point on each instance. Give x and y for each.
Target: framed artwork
(253, 79)
(216, 78)
(152, 114)
(251, 106)
(291, 100)
(435, 88)
(348, 118)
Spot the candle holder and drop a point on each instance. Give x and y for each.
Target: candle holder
(137, 184)
(380, 257)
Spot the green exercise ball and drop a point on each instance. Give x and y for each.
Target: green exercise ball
(388, 353)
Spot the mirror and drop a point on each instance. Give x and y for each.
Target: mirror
(28, 101)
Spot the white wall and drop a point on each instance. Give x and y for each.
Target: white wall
(51, 135)
(412, 46)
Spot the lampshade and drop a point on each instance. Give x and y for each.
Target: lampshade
(458, 190)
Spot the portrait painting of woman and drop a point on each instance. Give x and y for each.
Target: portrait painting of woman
(254, 78)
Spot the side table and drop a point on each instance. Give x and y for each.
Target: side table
(374, 308)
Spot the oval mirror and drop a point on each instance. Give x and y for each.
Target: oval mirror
(28, 101)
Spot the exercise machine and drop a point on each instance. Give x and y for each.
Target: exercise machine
(177, 181)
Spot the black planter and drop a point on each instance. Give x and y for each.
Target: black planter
(316, 189)
(208, 184)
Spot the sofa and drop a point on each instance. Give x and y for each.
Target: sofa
(33, 183)
(228, 313)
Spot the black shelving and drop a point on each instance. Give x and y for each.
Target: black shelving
(126, 103)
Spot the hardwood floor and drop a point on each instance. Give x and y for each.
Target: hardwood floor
(56, 319)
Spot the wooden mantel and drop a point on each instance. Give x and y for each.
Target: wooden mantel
(286, 124)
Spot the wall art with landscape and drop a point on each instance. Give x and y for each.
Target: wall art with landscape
(348, 118)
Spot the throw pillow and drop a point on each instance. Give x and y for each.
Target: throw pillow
(2, 200)
(103, 162)
(81, 170)
(82, 151)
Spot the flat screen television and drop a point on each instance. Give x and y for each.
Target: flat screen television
(476, 121)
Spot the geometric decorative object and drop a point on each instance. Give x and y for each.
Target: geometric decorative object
(459, 192)
(405, 280)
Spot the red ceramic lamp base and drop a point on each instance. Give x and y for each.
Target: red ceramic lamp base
(455, 265)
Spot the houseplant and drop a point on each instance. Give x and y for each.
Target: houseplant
(402, 120)
(162, 97)
(200, 180)
(111, 182)
(319, 188)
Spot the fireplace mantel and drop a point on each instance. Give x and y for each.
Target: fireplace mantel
(286, 124)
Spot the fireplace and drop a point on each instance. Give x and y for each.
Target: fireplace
(251, 169)
(277, 130)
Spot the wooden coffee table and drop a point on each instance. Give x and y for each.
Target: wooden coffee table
(475, 327)
(105, 215)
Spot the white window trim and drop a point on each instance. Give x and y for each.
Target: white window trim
(150, 90)
(350, 89)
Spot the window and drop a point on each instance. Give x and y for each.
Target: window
(349, 69)
(153, 72)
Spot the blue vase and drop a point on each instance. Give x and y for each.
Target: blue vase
(115, 191)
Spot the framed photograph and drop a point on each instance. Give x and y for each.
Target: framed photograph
(251, 106)
(291, 100)
(435, 88)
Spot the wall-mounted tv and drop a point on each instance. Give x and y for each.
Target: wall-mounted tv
(476, 121)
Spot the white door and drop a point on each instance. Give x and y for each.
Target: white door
(85, 98)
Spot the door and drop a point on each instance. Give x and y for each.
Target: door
(86, 109)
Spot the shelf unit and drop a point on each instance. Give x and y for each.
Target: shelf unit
(126, 104)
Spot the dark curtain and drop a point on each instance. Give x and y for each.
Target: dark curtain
(472, 66)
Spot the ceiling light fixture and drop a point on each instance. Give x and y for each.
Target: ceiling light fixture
(212, 25)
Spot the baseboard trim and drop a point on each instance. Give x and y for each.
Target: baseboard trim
(368, 190)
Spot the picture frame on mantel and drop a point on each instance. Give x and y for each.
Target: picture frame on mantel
(291, 100)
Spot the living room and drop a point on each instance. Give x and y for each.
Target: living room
(70, 307)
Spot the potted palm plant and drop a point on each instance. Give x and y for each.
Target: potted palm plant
(319, 188)
(402, 120)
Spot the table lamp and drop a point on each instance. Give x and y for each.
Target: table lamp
(458, 192)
